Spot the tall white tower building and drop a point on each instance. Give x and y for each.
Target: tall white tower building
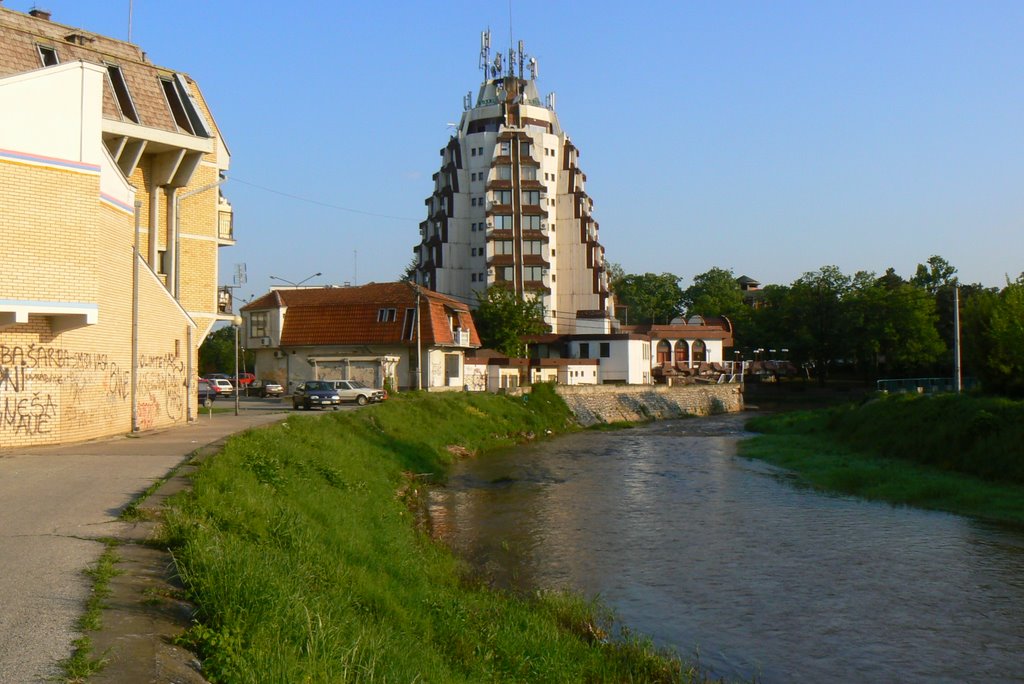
(509, 206)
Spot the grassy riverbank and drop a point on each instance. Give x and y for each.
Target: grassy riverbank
(960, 454)
(299, 547)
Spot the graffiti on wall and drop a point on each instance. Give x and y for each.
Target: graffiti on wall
(44, 389)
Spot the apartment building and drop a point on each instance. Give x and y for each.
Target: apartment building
(509, 206)
(111, 220)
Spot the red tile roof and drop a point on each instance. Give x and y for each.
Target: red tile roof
(350, 315)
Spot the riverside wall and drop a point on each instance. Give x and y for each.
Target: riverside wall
(610, 403)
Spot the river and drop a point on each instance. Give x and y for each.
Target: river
(710, 553)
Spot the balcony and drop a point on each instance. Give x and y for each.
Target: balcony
(225, 223)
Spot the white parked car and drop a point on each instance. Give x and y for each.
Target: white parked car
(222, 386)
(353, 390)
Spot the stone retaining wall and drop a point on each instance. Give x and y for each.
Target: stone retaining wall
(610, 403)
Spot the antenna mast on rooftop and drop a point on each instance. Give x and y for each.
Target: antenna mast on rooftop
(130, 20)
(485, 51)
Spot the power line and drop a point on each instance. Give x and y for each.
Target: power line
(321, 203)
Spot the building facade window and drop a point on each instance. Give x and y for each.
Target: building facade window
(503, 247)
(534, 273)
(503, 222)
(584, 350)
(682, 355)
(47, 55)
(258, 324)
(386, 315)
(120, 89)
(504, 172)
(664, 352)
(606, 350)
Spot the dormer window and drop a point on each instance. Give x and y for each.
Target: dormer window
(386, 315)
(183, 107)
(47, 55)
(121, 94)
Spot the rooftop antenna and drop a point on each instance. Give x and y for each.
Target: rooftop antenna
(522, 56)
(533, 68)
(485, 50)
(130, 3)
(240, 277)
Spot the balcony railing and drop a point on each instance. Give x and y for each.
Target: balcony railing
(226, 225)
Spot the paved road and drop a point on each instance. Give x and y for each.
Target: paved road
(55, 504)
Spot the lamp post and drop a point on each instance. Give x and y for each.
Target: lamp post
(236, 322)
(298, 284)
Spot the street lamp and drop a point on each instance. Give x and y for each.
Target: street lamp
(315, 275)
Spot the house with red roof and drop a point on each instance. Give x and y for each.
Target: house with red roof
(398, 334)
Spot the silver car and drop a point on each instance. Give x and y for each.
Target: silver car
(353, 390)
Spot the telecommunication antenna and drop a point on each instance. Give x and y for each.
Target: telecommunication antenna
(240, 277)
(533, 68)
(129, 21)
(522, 56)
(485, 51)
(467, 101)
(551, 101)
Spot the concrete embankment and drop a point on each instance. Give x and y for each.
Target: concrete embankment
(593, 404)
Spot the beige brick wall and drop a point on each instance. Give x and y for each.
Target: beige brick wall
(77, 385)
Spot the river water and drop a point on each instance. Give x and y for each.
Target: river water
(710, 553)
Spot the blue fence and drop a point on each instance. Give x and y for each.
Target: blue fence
(922, 385)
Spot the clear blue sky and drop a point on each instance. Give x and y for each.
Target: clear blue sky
(771, 138)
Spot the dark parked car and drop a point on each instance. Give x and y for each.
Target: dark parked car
(206, 393)
(315, 393)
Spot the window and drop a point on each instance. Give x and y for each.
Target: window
(529, 173)
(480, 151)
(472, 152)
(606, 350)
(532, 246)
(699, 351)
(503, 247)
(524, 149)
(664, 351)
(121, 94)
(505, 274)
(503, 197)
(552, 251)
(503, 149)
(258, 324)
(584, 350)
(504, 172)
(47, 56)
(386, 315)
(531, 197)
(533, 273)
(409, 324)
(503, 222)
(161, 261)
(183, 107)
(472, 277)
(681, 353)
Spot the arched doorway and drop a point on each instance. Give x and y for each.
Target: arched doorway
(682, 353)
(698, 351)
(664, 352)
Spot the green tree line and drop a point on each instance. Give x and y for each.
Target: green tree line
(867, 324)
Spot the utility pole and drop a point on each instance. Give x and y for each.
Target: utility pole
(419, 343)
(957, 373)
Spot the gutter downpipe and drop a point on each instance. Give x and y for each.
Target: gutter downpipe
(135, 318)
(419, 344)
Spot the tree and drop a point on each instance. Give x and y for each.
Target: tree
(938, 274)
(615, 273)
(999, 319)
(818, 318)
(410, 270)
(714, 293)
(217, 353)
(650, 298)
(893, 325)
(503, 319)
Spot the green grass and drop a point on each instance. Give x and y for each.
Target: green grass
(299, 547)
(82, 664)
(958, 454)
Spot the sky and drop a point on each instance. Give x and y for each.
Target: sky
(769, 138)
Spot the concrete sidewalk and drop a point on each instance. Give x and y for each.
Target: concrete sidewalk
(56, 504)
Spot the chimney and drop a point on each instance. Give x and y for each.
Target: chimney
(40, 13)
